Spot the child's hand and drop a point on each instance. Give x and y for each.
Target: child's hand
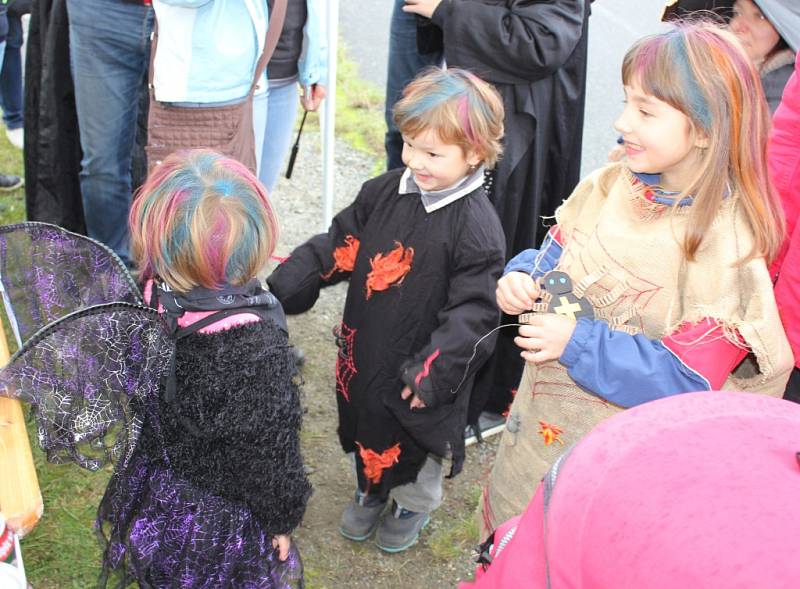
(416, 402)
(424, 8)
(545, 338)
(516, 292)
(282, 543)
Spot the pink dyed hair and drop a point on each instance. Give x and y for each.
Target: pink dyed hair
(461, 108)
(702, 70)
(201, 219)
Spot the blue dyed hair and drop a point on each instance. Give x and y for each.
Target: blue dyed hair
(460, 107)
(202, 219)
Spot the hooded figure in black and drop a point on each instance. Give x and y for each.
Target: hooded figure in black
(534, 52)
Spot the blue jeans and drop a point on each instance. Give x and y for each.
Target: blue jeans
(405, 62)
(274, 113)
(11, 76)
(109, 53)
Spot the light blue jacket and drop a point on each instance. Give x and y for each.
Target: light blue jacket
(208, 49)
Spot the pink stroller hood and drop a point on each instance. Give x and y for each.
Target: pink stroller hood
(697, 490)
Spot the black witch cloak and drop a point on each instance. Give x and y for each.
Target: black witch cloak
(534, 52)
(421, 296)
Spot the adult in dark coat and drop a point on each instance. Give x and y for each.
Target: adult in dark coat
(52, 139)
(52, 143)
(534, 52)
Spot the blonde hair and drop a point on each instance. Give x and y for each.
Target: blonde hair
(201, 219)
(702, 71)
(460, 107)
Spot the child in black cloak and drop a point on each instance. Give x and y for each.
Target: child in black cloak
(421, 247)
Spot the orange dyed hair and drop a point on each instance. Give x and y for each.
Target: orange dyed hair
(201, 219)
(703, 71)
(461, 108)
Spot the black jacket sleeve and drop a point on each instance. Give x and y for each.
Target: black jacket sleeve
(327, 258)
(458, 346)
(510, 41)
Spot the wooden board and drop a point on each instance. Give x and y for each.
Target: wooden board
(20, 497)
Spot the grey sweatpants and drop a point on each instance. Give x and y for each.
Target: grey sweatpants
(424, 494)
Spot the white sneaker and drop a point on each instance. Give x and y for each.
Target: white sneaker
(16, 137)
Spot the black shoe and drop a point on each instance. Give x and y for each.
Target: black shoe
(489, 424)
(9, 183)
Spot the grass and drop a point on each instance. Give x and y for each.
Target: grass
(359, 111)
(12, 204)
(458, 533)
(62, 552)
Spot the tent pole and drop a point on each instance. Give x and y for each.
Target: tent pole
(329, 114)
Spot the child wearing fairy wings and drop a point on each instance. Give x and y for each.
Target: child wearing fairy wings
(661, 284)
(422, 248)
(191, 395)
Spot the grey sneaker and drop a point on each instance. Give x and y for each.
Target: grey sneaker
(399, 529)
(361, 517)
(489, 424)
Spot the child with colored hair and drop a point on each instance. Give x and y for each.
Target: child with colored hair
(422, 248)
(188, 389)
(654, 281)
(220, 461)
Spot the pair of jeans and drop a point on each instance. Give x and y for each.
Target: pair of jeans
(109, 55)
(405, 62)
(11, 75)
(274, 113)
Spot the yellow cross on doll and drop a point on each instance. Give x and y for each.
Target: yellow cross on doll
(557, 297)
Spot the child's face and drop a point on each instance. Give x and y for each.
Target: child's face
(436, 165)
(658, 139)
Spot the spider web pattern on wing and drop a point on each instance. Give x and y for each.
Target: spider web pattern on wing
(87, 378)
(153, 520)
(48, 272)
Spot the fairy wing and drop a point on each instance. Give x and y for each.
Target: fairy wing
(47, 272)
(89, 377)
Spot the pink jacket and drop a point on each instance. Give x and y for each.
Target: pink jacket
(784, 166)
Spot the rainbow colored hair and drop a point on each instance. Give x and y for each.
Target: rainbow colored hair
(460, 107)
(702, 70)
(201, 219)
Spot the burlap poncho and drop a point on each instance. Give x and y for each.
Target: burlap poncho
(623, 253)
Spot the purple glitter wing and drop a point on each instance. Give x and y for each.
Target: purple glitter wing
(87, 377)
(156, 526)
(47, 272)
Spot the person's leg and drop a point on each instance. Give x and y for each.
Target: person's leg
(7, 181)
(424, 494)
(405, 62)
(109, 52)
(281, 114)
(411, 508)
(11, 76)
(363, 512)
(260, 102)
